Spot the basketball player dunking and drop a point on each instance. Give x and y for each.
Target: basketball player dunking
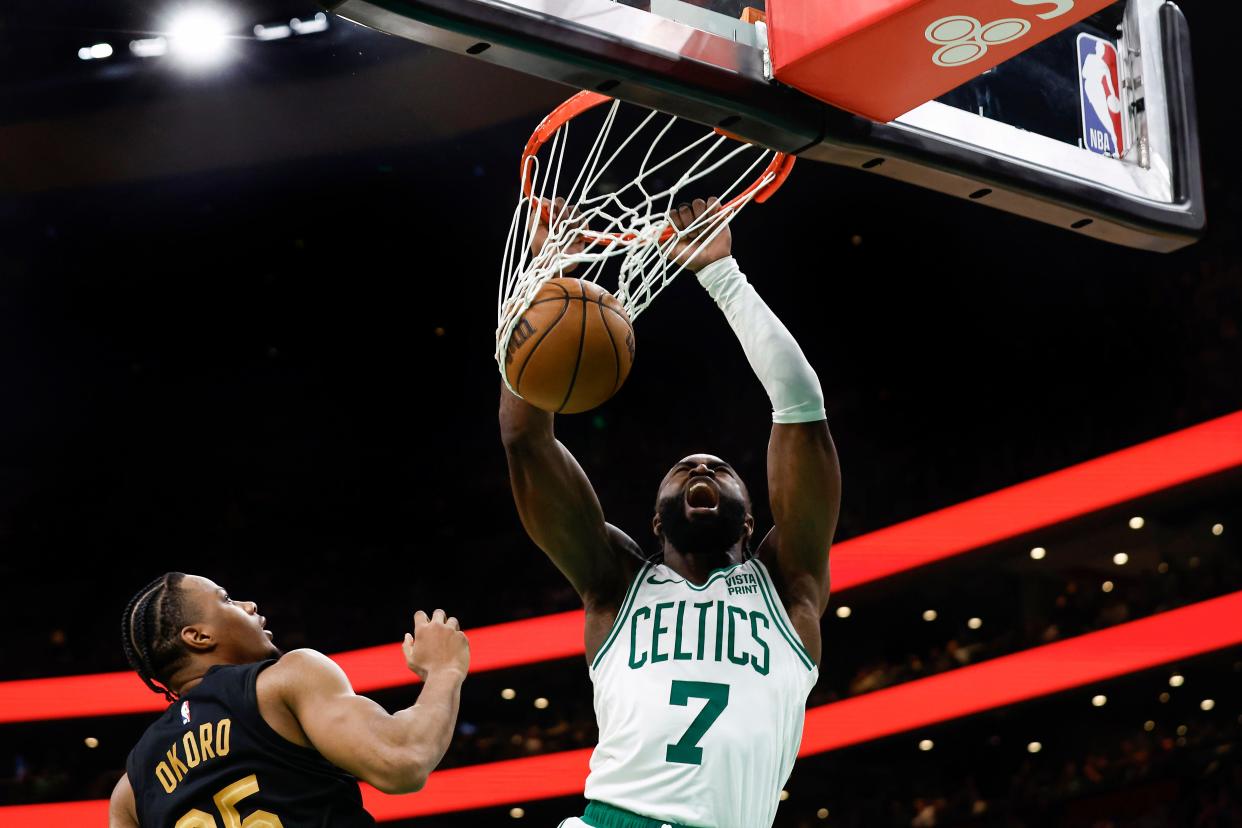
(703, 656)
(260, 739)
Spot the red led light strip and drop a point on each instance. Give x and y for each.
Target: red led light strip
(1087, 487)
(1127, 648)
(371, 668)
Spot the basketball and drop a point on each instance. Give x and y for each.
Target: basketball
(572, 349)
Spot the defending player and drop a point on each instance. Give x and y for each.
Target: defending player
(702, 657)
(266, 740)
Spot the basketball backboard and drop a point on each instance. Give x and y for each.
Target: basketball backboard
(1025, 137)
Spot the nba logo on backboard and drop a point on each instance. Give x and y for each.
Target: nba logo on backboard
(1100, 92)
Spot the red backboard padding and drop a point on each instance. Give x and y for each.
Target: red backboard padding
(882, 58)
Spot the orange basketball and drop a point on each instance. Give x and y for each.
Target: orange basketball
(572, 348)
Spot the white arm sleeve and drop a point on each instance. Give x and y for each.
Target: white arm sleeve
(773, 353)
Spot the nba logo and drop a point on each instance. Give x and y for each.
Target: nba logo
(1100, 92)
(185, 712)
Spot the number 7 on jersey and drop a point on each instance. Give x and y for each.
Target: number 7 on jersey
(687, 751)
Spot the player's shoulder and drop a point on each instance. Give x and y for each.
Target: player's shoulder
(302, 668)
(303, 660)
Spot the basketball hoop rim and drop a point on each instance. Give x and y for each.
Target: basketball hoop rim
(763, 187)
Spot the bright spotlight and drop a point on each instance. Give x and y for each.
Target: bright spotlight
(1038, 553)
(101, 50)
(199, 37)
(1121, 559)
(843, 612)
(1136, 522)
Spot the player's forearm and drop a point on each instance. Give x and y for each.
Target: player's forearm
(427, 729)
(773, 353)
(519, 420)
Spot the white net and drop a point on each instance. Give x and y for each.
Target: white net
(601, 221)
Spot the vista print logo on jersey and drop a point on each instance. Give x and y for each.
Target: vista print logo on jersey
(1100, 92)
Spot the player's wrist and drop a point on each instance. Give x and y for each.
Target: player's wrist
(719, 273)
(446, 673)
(699, 267)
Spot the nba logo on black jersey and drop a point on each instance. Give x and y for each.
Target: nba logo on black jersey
(1100, 94)
(185, 712)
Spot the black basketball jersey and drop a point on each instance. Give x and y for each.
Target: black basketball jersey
(211, 761)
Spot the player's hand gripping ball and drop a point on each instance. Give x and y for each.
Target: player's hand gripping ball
(572, 349)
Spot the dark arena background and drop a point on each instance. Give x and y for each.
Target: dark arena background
(247, 321)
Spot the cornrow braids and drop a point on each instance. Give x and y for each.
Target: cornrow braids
(151, 632)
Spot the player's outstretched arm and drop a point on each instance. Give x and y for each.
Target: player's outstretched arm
(395, 753)
(558, 506)
(804, 479)
(122, 810)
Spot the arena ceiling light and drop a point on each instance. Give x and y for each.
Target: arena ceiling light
(318, 23)
(199, 36)
(296, 26)
(273, 31)
(99, 51)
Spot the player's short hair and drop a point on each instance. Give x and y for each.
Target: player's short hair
(151, 632)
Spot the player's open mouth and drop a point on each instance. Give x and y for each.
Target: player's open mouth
(702, 494)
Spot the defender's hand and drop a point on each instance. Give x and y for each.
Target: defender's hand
(557, 214)
(699, 213)
(437, 644)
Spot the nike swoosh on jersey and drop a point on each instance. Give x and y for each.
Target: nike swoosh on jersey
(653, 580)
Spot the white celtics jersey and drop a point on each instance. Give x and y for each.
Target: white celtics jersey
(700, 693)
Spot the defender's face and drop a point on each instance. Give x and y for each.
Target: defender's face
(234, 626)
